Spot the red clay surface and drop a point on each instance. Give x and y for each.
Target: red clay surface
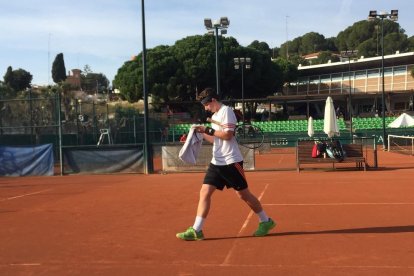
(343, 222)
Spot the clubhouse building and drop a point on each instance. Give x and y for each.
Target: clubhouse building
(353, 83)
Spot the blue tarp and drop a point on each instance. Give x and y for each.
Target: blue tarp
(112, 159)
(26, 160)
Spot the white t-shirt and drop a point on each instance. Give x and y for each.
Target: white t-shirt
(225, 152)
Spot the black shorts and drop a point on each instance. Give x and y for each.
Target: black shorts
(231, 176)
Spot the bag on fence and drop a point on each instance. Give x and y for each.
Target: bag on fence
(334, 150)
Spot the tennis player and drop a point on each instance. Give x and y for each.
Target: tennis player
(225, 169)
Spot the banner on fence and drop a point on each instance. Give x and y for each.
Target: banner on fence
(26, 160)
(171, 162)
(111, 159)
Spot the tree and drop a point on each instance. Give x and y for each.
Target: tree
(326, 56)
(260, 46)
(366, 37)
(128, 80)
(330, 44)
(311, 43)
(18, 79)
(367, 48)
(8, 77)
(289, 71)
(6, 92)
(176, 72)
(395, 42)
(58, 69)
(410, 46)
(290, 48)
(87, 69)
(93, 82)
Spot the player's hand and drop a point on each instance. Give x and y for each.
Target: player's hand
(200, 129)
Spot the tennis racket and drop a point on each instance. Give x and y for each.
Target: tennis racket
(247, 135)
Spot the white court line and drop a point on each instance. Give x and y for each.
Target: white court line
(26, 264)
(227, 259)
(19, 196)
(339, 204)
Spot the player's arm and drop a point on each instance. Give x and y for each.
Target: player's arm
(210, 133)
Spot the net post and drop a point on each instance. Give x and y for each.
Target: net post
(388, 143)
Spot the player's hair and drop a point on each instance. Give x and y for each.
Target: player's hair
(207, 95)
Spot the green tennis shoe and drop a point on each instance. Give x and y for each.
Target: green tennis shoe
(264, 228)
(191, 235)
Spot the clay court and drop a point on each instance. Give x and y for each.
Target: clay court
(343, 222)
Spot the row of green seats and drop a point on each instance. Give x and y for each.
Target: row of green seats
(371, 122)
(271, 126)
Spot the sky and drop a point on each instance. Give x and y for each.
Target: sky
(105, 33)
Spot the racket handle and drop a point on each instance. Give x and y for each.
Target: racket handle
(213, 121)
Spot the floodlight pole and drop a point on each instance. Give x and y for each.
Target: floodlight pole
(217, 62)
(394, 17)
(221, 25)
(348, 54)
(385, 140)
(241, 62)
(147, 153)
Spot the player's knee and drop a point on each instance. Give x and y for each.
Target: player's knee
(244, 195)
(206, 192)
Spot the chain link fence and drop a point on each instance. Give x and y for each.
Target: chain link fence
(34, 120)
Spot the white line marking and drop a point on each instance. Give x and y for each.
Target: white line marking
(19, 196)
(227, 259)
(339, 204)
(305, 265)
(26, 264)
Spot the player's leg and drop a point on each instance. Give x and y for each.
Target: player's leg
(195, 232)
(250, 199)
(204, 201)
(265, 223)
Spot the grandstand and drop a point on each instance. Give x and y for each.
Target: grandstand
(294, 126)
(370, 123)
(271, 126)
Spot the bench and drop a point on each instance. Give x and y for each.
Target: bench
(353, 154)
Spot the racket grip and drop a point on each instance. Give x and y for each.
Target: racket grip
(213, 121)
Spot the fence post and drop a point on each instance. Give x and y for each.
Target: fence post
(31, 115)
(95, 130)
(375, 152)
(60, 132)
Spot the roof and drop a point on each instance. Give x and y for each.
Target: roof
(311, 56)
(359, 64)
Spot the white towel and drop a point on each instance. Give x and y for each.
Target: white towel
(191, 147)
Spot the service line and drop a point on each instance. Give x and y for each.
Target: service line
(20, 196)
(339, 204)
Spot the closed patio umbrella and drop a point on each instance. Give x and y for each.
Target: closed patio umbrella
(311, 130)
(330, 123)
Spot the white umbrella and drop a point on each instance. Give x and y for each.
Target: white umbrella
(330, 123)
(404, 120)
(311, 130)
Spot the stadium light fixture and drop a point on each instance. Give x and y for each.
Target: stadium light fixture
(393, 16)
(242, 63)
(348, 54)
(213, 28)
